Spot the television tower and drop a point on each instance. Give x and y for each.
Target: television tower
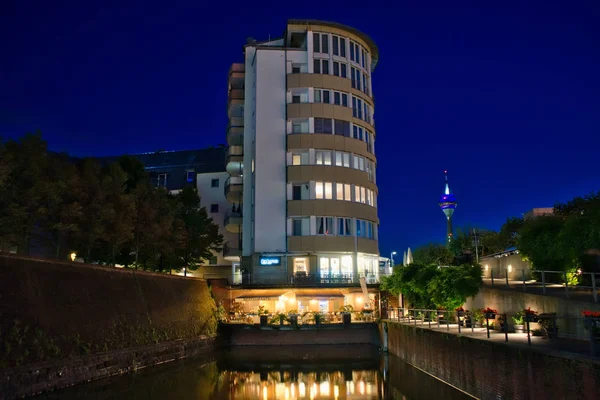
(448, 205)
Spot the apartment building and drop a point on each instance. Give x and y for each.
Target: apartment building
(205, 170)
(301, 161)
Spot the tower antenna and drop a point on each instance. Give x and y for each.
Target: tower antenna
(448, 205)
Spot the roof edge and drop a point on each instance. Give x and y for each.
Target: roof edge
(370, 42)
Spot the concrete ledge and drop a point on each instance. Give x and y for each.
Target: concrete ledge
(51, 375)
(486, 369)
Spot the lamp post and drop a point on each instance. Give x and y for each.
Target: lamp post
(392, 259)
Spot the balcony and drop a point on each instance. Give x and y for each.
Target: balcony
(235, 103)
(231, 253)
(235, 132)
(237, 76)
(234, 189)
(312, 280)
(235, 160)
(233, 221)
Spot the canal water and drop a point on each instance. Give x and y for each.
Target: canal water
(302, 372)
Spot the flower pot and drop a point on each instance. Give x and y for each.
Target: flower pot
(346, 318)
(519, 328)
(490, 315)
(264, 320)
(530, 317)
(460, 313)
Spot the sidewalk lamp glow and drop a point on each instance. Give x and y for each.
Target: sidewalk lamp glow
(392, 258)
(73, 256)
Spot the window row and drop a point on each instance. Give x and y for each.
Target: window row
(361, 110)
(343, 191)
(331, 191)
(332, 126)
(359, 79)
(333, 157)
(329, 226)
(326, 96)
(322, 42)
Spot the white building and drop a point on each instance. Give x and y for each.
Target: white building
(301, 155)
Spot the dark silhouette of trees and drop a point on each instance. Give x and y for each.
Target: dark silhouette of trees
(107, 214)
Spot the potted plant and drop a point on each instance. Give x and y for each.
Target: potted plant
(530, 315)
(293, 317)
(591, 319)
(489, 313)
(263, 314)
(279, 318)
(518, 319)
(346, 313)
(547, 323)
(318, 318)
(477, 317)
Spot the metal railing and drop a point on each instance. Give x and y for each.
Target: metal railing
(545, 282)
(298, 280)
(565, 333)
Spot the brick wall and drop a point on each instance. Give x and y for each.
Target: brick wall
(51, 375)
(248, 335)
(489, 370)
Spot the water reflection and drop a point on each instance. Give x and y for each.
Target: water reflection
(360, 384)
(273, 373)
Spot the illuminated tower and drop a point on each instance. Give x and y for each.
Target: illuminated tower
(448, 205)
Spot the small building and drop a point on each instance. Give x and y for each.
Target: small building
(508, 262)
(538, 212)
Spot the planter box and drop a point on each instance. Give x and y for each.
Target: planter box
(520, 329)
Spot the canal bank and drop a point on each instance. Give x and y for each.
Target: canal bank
(491, 370)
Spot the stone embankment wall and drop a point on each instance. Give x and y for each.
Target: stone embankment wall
(511, 301)
(50, 375)
(489, 370)
(53, 310)
(249, 335)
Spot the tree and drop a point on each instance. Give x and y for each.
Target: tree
(60, 210)
(117, 213)
(540, 242)
(509, 232)
(433, 254)
(428, 286)
(450, 287)
(23, 165)
(200, 236)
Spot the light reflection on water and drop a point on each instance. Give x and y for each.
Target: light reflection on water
(288, 385)
(278, 373)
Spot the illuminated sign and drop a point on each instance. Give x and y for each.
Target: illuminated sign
(268, 261)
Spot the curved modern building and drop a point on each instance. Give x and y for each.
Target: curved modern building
(301, 156)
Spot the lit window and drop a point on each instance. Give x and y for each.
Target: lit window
(300, 265)
(319, 190)
(328, 190)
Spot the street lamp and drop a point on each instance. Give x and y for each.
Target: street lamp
(392, 259)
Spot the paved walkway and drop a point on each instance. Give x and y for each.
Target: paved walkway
(577, 293)
(571, 346)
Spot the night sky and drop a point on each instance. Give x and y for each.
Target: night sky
(504, 96)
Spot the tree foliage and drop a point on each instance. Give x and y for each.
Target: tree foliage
(428, 286)
(107, 214)
(567, 240)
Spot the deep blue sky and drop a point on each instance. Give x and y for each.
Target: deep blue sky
(506, 96)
